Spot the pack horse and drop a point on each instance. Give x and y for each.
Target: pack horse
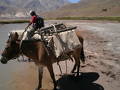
(36, 50)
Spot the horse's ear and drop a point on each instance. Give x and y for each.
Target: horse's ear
(16, 35)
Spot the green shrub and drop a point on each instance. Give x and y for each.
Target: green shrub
(89, 18)
(13, 21)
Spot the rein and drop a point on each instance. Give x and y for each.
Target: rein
(20, 51)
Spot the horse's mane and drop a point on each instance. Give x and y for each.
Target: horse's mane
(20, 32)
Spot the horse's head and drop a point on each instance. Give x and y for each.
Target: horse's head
(11, 50)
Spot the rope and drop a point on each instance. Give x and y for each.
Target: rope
(55, 29)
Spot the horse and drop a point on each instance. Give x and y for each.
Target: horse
(36, 50)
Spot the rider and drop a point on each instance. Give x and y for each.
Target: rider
(36, 22)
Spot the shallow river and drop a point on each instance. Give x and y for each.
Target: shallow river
(6, 71)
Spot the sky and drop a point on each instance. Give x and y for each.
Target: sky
(74, 1)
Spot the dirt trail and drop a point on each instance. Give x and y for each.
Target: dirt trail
(102, 68)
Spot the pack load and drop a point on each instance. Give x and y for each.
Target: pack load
(64, 39)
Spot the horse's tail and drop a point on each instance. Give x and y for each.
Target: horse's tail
(82, 55)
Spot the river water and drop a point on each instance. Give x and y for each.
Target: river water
(6, 71)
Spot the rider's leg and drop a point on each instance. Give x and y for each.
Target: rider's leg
(31, 33)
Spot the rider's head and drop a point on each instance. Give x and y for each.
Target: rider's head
(32, 13)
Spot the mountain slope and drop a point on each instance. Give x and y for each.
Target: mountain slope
(17, 6)
(88, 8)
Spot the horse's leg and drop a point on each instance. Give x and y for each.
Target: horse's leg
(82, 55)
(50, 69)
(40, 75)
(75, 65)
(74, 68)
(76, 56)
(78, 66)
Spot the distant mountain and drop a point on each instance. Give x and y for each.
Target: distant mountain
(87, 8)
(19, 7)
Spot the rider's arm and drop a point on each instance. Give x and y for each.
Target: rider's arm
(28, 25)
(33, 19)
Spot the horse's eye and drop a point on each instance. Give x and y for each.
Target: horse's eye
(7, 48)
(8, 34)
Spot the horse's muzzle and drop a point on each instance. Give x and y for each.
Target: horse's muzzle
(3, 60)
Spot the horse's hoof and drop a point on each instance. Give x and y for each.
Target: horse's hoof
(57, 88)
(36, 89)
(72, 71)
(39, 87)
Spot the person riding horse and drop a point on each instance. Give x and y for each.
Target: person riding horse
(36, 22)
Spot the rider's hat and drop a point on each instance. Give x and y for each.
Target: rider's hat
(32, 12)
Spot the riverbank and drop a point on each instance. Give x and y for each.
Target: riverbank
(25, 20)
(13, 21)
